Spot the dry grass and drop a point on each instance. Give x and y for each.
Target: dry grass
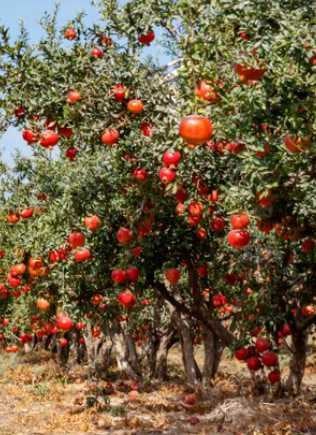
(36, 397)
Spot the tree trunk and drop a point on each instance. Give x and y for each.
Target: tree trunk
(298, 362)
(98, 353)
(192, 371)
(165, 344)
(125, 354)
(213, 350)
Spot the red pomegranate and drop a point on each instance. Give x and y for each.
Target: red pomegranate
(96, 53)
(70, 33)
(110, 136)
(64, 322)
(29, 136)
(217, 224)
(274, 377)
(269, 359)
(93, 223)
(146, 128)
(126, 298)
(27, 213)
(172, 275)
(241, 354)
(65, 132)
(171, 158)
(146, 38)
(262, 344)
(135, 106)
(140, 174)
(206, 92)
(132, 273)
(124, 235)
(76, 239)
(253, 363)
(167, 175)
(71, 153)
(83, 254)
(119, 92)
(238, 238)
(73, 97)
(196, 129)
(118, 276)
(239, 221)
(49, 138)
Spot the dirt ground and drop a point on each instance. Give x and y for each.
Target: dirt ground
(37, 398)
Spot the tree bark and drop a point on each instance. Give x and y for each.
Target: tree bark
(298, 362)
(213, 350)
(192, 371)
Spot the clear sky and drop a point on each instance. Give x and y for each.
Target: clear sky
(31, 11)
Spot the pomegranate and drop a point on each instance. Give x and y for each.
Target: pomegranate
(196, 129)
(238, 238)
(110, 136)
(173, 275)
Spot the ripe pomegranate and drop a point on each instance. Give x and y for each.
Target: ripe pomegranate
(64, 322)
(262, 344)
(65, 132)
(42, 304)
(137, 251)
(248, 75)
(135, 106)
(253, 363)
(132, 273)
(119, 92)
(4, 292)
(2, 253)
(63, 342)
(202, 271)
(146, 38)
(49, 138)
(146, 128)
(110, 136)
(196, 129)
(201, 233)
(83, 254)
(73, 97)
(70, 33)
(18, 269)
(239, 221)
(219, 300)
(172, 275)
(167, 175)
(238, 238)
(171, 158)
(140, 174)
(29, 136)
(274, 377)
(217, 224)
(195, 208)
(35, 263)
(206, 92)
(20, 112)
(13, 218)
(118, 276)
(126, 298)
(241, 354)
(93, 223)
(124, 235)
(71, 153)
(269, 359)
(97, 53)
(76, 239)
(27, 213)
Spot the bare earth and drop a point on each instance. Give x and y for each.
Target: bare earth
(36, 397)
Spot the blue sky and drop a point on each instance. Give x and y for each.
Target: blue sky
(31, 11)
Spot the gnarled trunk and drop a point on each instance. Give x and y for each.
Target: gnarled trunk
(98, 353)
(213, 350)
(192, 371)
(298, 362)
(125, 354)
